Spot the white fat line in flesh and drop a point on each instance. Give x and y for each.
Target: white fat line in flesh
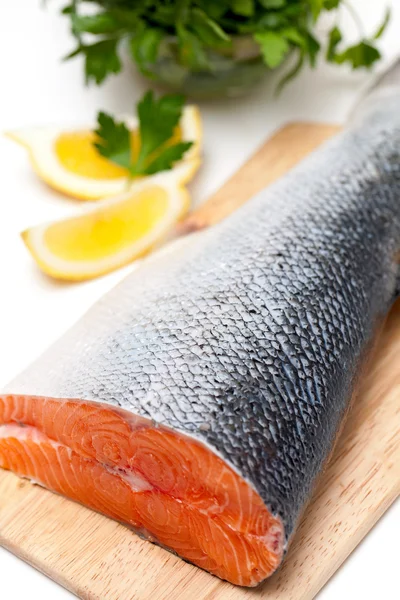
(134, 480)
(47, 462)
(60, 407)
(27, 433)
(26, 409)
(31, 478)
(15, 409)
(20, 403)
(7, 431)
(8, 407)
(70, 415)
(226, 495)
(233, 550)
(246, 552)
(22, 433)
(239, 501)
(33, 460)
(59, 450)
(75, 475)
(43, 407)
(250, 497)
(234, 484)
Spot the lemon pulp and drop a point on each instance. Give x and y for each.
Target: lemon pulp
(76, 153)
(102, 233)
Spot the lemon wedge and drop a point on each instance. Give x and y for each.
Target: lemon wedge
(109, 234)
(68, 162)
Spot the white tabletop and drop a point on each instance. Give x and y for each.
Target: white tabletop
(37, 89)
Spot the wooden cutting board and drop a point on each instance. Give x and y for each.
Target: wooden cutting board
(98, 559)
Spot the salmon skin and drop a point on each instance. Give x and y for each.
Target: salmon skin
(198, 400)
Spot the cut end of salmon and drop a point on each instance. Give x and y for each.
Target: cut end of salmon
(161, 483)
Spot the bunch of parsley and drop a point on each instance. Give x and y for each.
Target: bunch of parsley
(279, 27)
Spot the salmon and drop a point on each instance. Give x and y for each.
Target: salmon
(171, 489)
(198, 401)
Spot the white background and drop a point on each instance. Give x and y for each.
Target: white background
(36, 88)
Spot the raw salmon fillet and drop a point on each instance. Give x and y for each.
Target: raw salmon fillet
(198, 401)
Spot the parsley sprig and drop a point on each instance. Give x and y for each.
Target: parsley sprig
(362, 54)
(279, 27)
(158, 120)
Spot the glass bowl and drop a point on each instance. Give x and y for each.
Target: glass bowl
(231, 72)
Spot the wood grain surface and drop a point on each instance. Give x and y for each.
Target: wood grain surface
(99, 559)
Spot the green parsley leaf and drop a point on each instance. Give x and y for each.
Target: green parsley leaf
(295, 36)
(298, 12)
(316, 7)
(128, 17)
(274, 47)
(114, 140)
(307, 47)
(215, 10)
(269, 20)
(101, 23)
(244, 8)
(209, 32)
(157, 122)
(381, 29)
(363, 54)
(69, 9)
(191, 49)
(335, 37)
(145, 46)
(76, 52)
(101, 60)
(331, 4)
(312, 48)
(166, 159)
(292, 73)
(272, 3)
